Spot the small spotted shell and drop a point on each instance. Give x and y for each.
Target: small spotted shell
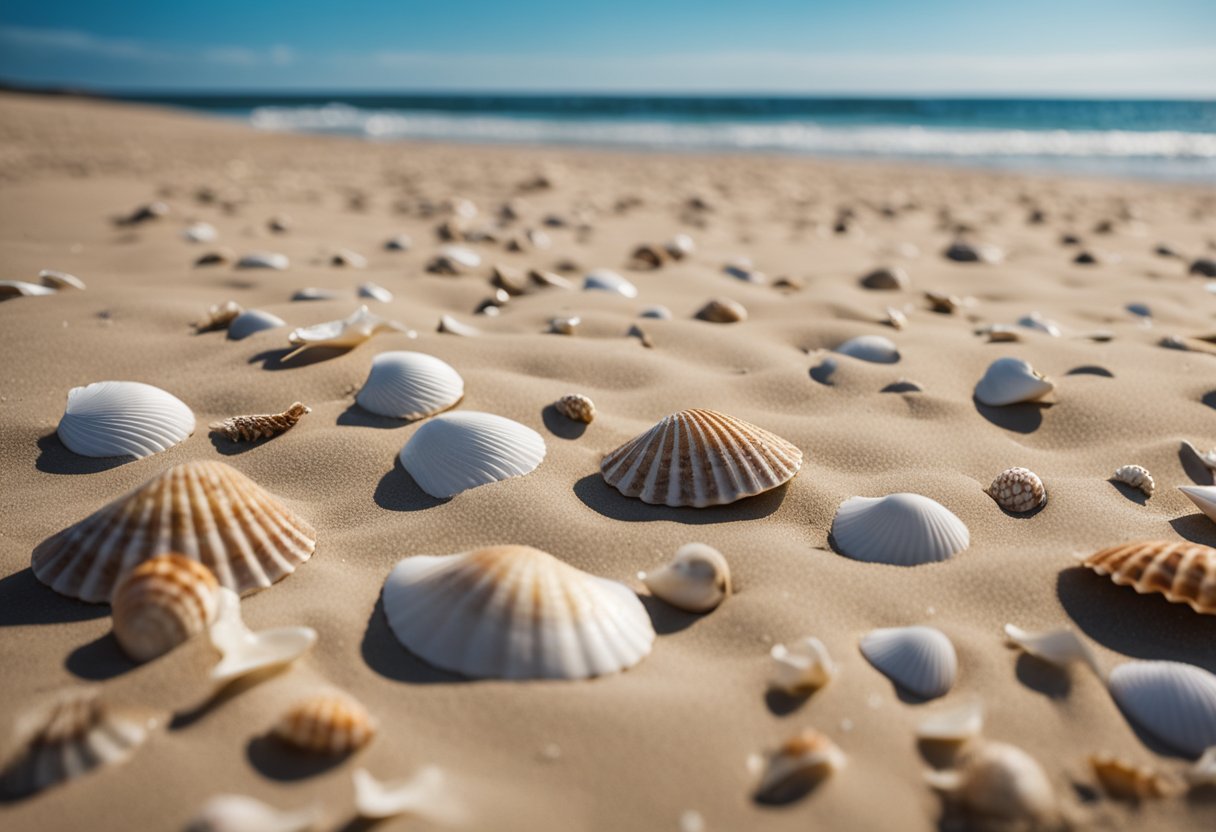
(1018, 490)
(1137, 477)
(1183, 572)
(577, 407)
(327, 723)
(1126, 781)
(162, 603)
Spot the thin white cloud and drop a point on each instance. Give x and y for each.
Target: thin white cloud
(135, 51)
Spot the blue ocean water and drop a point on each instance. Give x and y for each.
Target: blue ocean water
(1164, 139)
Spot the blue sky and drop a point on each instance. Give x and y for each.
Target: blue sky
(1103, 47)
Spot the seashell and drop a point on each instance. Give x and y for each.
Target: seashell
(801, 668)
(636, 332)
(1184, 572)
(346, 258)
(511, 280)
(143, 213)
(453, 260)
(921, 660)
(205, 510)
(123, 418)
(1203, 267)
(1010, 381)
(426, 794)
(313, 293)
(789, 284)
(60, 280)
(896, 319)
(242, 651)
(1000, 787)
(873, 348)
(942, 302)
(216, 257)
(458, 451)
(21, 289)
(262, 426)
(1203, 773)
(961, 251)
(999, 333)
(577, 407)
(899, 529)
(1124, 780)
(163, 602)
(565, 325)
(659, 313)
(264, 260)
(680, 246)
(326, 723)
(219, 316)
(1018, 490)
(345, 334)
(280, 224)
(1174, 702)
(548, 280)
(743, 270)
(957, 723)
(1038, 323)
(410, 385)
(606, 280)
(452, 326)
(1203, 496)
(1060, 647)
(252, 321)
(77, 733)
(200, 232)
(795, 767)
(887, 278)
(722, 311)
(1137, 477)
(696, 580)
(398, 242)
(647, 256)
(1208, 459)
(903, 385)
(238, 813)
(700, 458)
(514, 612)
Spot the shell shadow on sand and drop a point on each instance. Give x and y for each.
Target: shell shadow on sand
(397, 491)
(273, 759)
(1026, 417)
(24, 600)
(356, 417)
(277, 359)
(98, 660)
(54, 458)
(385, 655)
(602, 498)
(560, 426)
(1196, 528)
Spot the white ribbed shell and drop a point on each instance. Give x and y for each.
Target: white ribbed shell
(410, 385)
(606, 280)
(207, 511)
(920, 660)
(899, 529)
(252, 321)
(1009, 381)
(458, 451)
(873, 348)
(514, 612)
(700, 458)
(1174, 702)
(123, 418)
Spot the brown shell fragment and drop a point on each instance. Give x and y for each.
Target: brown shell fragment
(262, 426)
(1184, 572)
(722, 311)
(577, 407)
(1123, 780)
(327, 723)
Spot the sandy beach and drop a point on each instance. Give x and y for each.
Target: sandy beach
(665, 744)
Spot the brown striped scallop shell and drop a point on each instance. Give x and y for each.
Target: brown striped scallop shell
(1184, 572)
(327, 723)
(162, 603)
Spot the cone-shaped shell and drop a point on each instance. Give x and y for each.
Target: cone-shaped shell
(1203, 496)
(921, 660)
(1009, 381)
(123, 418)
(1183, 572)
(1174, 702)
(207, 511)
(458, 451)
(873, 348)
(327, 723)
(696, 580)
(161, 603)
(252, 321)
(700, 458)
(410, 385)
(514, 612)
(899, 529)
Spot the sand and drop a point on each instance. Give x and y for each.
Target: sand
(640, 749)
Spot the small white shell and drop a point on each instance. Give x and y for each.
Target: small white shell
(243, 651)
(659, 313)
(1174, 702)
(350, 259)
(398, 242)
(264, 260)
(921, 660)
(21, 288)
(410, 385)
(60, 280)
(899, 529)
(252, 321)
(376, 292)
(1060, 647)
(802, 667)
(696, 580)
(1000, 787)
(565, 324)
(1038, 323)
(1203, 496)
(427, 794)
(1009, 381)
(955, 723)
(238, 813)
(458, 451)
(606, 280)
(1136, 476)
(345, 334)
(123, 418)
(872, 348)
(200, 232)
(798, 764)
(452, 326)
(313, 293)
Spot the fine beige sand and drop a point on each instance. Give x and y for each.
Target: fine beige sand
(640, 749)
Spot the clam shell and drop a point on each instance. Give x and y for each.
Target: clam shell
(252, 321)
(264, 260)
(1203, 496)
(802, 667)
(1018, 490)
(326, 723)
(514, 612)
(1174, 702)
(123, 418)
(427, 794)
(1184, 572)
(458, 451)
(577, 407)
(243, 651)
(700, 458)
(1137, 476)
(1000, 786)
(696, 580)
(899, 529)
(797, 765)
(207, 511)
(410, 385)
(162, 603)
(344, 334)
(238, 813)
(1010, 381)
(872, 348)
(921, 660)
(1125, 780)
(606, 280)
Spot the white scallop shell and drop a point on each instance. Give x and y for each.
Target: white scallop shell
(238, 813)
(264, 260)
(427, 795)
(514, 612)
(802, 667)
(921, 660)
(606, 280)
(410, 385)
(243, 651)
(252, 321)
(697, 579)
(899, 529)
(1009, 381)
(344, 334)
(458, 451)
(1174, 702)
(872, 348)
(1203, 496)
(123, 418)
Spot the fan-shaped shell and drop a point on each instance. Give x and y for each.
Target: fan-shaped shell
(410, 385)
(514, 612)
(696, 580)
(1018, 490)
(458, 451)
(1203, 496)
(207, 511)
(899, 529)
(1174, 702)
(606, 280)
(1009, 381)
(252, 321)
(326, 723)
(1183, 572)
(700, 458)
(123, 418)
(873, 348)
(161, 603)
(920, 660)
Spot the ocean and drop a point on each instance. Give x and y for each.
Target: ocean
(1161, 139)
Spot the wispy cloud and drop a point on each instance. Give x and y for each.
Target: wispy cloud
(142, 52)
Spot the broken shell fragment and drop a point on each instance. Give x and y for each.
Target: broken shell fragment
(264, 260)
(1124, 780)
(1184, 572)
(345, 334)
(696, 580)
(1135, 476)
(1060, 647)
(162, 603)
(802, 667)
(565, 324)
(22, 289)
(219, 316)
(1018, 490)
(577, 407)
(243, 651)
(260, 426)
(1011, 381)
(330, 723)
(797, 766)
(375, 291)
(452, 326)
(427, 795)
(60, 280)
(957, 723)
